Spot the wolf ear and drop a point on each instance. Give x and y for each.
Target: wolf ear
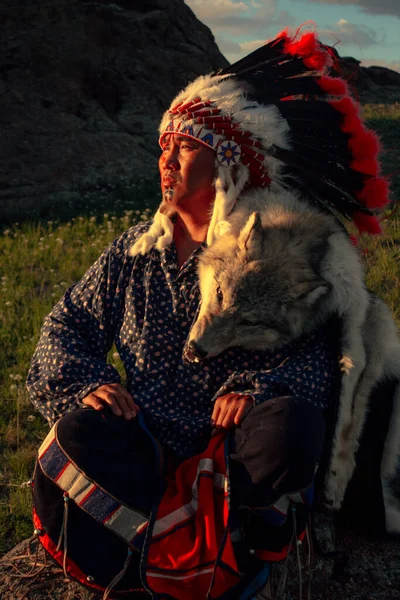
(250, 237)
(311, 290)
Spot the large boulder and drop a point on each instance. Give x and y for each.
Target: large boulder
(82, 88)
(370, 84)
(383, 76)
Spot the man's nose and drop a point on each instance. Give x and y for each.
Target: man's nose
(171, 159)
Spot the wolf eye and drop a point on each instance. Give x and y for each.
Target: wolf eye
(220, 295)
(249, 323)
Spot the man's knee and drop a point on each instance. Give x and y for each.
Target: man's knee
(282, 440)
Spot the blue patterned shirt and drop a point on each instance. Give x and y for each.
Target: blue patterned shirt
(146, 305)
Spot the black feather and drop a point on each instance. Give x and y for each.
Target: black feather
(320, 163)
(269, 51)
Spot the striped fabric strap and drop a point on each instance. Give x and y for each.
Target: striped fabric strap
(186, 511)
(104, 508)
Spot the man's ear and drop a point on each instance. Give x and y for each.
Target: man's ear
(311, 290)
(250, 237)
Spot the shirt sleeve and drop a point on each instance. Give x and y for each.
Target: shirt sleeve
(70, 360)
(309, 370)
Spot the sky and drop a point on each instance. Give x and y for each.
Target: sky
(368, 30)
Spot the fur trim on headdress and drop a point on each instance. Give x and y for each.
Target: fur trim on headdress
(281, 121)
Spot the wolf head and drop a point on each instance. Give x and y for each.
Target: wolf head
(260, 287)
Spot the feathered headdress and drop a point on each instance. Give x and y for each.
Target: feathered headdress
(277, 119)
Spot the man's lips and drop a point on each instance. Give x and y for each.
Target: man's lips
(169, 181)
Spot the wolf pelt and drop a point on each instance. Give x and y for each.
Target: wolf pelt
(279, 259)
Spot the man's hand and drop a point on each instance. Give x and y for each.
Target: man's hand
(116, 397)
(230, 410)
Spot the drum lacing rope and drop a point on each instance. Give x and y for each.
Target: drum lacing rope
(118, 576)
(310, 556)
(282, 580)
(63, 534)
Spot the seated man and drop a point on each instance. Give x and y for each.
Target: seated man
(180, 486)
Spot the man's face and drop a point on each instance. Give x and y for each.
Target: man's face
(188, 169)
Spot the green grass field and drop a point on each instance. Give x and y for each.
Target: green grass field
(41, 259)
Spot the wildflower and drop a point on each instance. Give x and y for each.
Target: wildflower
(59, 240)
(50, 223)
(7, 232)
(4, 278)
(63, 283)
(115, 355)
(8, 303)
(31, 418)
(17, 377)
(92, 219)
(13, 387)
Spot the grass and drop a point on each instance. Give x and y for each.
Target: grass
(40, 259)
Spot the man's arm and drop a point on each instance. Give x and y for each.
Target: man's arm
(310, 371)
(69, 368)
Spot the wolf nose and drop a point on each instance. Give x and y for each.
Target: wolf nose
(195, 350)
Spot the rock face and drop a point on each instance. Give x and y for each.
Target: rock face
(82, 88)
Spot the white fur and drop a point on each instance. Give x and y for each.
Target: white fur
(159, 235)
(370, 349)
(226, 194)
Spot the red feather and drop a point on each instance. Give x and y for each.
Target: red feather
(331, 85)
(374, 193)
(365, 145)
(314, 55)
(369, 166)
(367, 224)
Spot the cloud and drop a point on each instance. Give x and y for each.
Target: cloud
(349, 33)
(229, 19)
(232, 17)
(228, 47)
(373, 7)
(217, 10)
(248, 47)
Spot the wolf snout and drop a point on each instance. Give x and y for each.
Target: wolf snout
(194, 352)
